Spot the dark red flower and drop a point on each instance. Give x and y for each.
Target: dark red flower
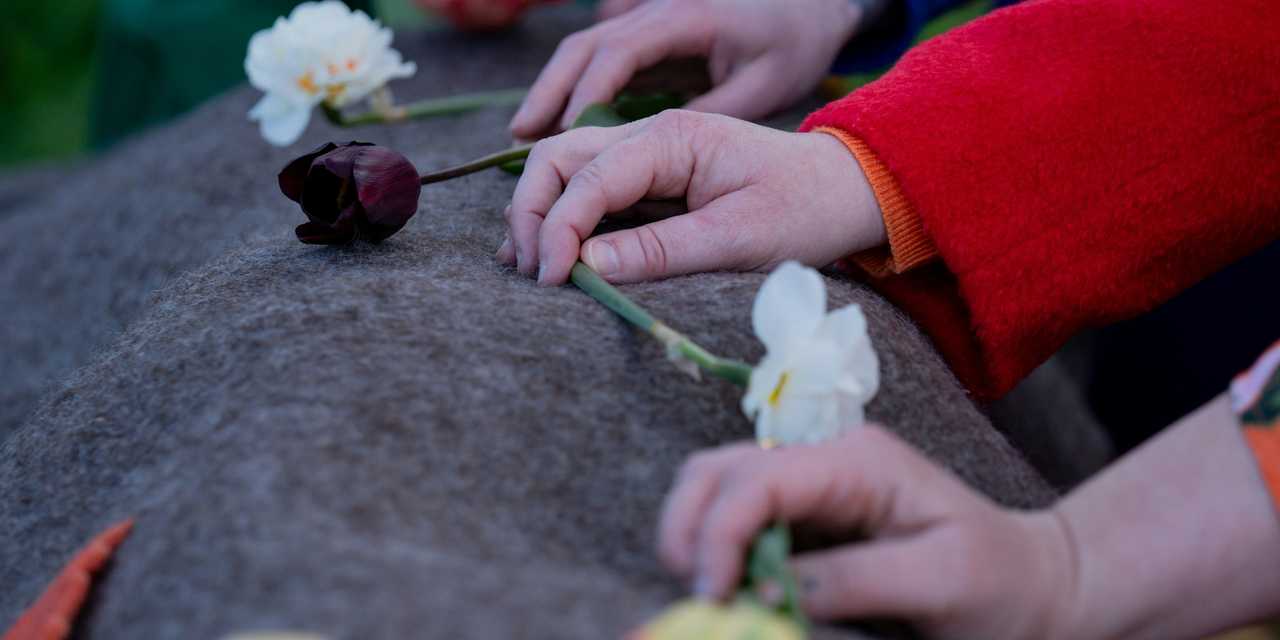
(356, 190)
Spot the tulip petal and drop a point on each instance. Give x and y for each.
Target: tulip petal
(790, 305)
(320, 233)
(329, 187)
(293, 176)
(388, 190)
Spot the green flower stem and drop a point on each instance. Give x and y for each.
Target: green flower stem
(595, 286)
(492, 160)
(448, 105)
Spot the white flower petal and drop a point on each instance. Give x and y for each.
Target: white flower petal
(280, 121)
(800, 419)
(859, 365)
(764, 379)
(789, 305)
(321, 51)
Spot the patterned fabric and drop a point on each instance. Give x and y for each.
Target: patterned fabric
(1255, 397)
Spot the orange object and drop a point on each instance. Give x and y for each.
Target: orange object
(1255, 398)
(52, 614)
(909, 246)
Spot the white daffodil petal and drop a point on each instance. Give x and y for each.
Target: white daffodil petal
(764, 381)
(280, 121)
(323, 51)
(801, 419)
(789, 306)
(847, 329)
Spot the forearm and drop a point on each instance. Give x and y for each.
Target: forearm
(1060, 205)
(1177, 540)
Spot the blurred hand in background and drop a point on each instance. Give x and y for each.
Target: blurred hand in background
(762, 55)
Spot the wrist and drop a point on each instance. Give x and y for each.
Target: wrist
(1054, 589)
(849, 196)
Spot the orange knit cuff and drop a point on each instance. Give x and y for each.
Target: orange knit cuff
(909, 245)
(1255, 398)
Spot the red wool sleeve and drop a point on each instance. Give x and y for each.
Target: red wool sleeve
(1075, 162)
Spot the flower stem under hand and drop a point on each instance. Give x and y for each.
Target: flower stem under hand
(492, 160)
(595, 286)
(431, 107)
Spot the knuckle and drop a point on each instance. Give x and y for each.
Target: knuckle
(542, 149)
(653, 251)
(590, 177)
(697, 466)
(575, 42)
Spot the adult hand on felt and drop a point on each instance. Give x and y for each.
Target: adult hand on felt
(762, 55)
(756, 197)
(937, 553)
(1185, 518)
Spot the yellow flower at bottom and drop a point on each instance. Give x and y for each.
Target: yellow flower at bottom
(701, 620)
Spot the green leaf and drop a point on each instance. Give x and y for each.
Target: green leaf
(634, 107)
(627, 107)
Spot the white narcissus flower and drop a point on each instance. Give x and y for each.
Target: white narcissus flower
(323, 52)
(819, 369)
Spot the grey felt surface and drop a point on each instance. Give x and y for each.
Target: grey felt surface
(397, 441)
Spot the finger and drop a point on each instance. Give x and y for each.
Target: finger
(554, 84)
(858, 481)
(506, 254)
(892, 578)
(694, 488)
(715, 237)
(611, 8)
(629, 44)
(549, 166)
(746, 94)
(652, 163)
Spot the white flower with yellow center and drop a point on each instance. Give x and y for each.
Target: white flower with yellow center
(323, 52)
(819, 369)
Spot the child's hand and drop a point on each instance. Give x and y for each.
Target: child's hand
(756, 197)
(762, 55)
(936, 553)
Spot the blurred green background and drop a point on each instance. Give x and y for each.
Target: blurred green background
(53, 54)
(79, 75)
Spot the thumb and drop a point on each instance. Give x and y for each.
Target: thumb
(702, 240)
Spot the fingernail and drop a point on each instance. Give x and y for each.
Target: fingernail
(542, 270)
(602, 257)
(504, 250)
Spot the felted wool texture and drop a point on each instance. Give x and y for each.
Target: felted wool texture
(83, 247)
(1075, 162)
(367, 441)
(376, 440)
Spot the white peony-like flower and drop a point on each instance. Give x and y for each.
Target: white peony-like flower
(819, 369)
(323, 52)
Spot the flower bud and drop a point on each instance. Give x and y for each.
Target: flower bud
(356, 190)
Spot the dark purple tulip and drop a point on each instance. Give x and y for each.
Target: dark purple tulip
(356, 190)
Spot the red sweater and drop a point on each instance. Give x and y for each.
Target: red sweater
(1074, 162)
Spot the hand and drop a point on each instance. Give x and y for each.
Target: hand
(756, 197)
(936, 553)
(762, 55)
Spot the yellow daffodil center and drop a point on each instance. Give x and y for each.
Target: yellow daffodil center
(776, 395)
